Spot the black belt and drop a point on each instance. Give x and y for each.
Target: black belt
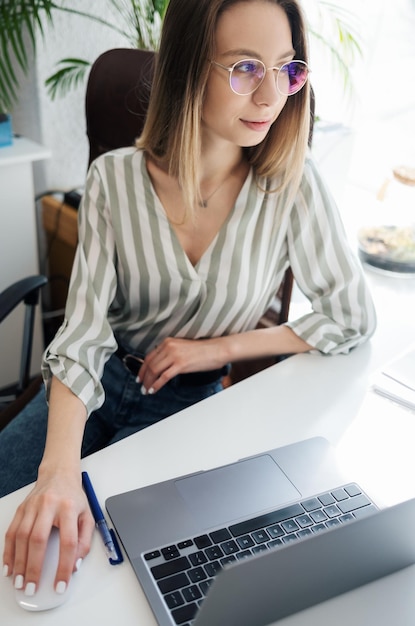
(193, 379)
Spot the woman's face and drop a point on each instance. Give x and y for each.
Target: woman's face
(247, 30)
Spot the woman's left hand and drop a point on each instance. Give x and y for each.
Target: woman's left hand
(179, 356)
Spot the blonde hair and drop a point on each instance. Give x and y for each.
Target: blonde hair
(172, 131)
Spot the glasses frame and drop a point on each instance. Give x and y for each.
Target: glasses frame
(231, 68)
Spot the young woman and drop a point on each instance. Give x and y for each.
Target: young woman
(183, 242)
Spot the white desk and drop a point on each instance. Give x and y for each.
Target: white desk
(304, 396)
(18, 244)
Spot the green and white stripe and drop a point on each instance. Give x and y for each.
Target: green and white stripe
(131, 276)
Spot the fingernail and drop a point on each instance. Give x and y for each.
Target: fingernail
(5, 570)
(78, 565)
(30, 589)
(137, 380)
(60, 587)
(19, 582)
(150, 391)
(143, 390)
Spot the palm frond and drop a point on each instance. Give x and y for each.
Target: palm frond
(17, 17)
(142, 19)
(71, 73)
(336, 29)
(22, 20)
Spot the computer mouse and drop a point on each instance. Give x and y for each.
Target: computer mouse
(45, 596)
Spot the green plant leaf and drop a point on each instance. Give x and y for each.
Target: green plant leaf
(336, 29)
(18, 17)
(71, 73)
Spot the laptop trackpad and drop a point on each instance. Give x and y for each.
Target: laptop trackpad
(228, 493)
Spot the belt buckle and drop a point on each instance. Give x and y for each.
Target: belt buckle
(132, 363)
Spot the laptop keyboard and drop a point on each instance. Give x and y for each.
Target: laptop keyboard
(184, 571)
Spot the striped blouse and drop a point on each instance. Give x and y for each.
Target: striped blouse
(132, 281)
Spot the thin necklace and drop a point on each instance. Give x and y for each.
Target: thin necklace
(203, 202)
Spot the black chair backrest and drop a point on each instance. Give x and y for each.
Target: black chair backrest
(117, 97)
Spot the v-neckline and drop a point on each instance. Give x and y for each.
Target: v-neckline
(239, 202)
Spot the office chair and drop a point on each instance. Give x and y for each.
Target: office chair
(15, 397)
(116, 102)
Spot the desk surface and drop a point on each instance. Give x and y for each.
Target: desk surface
(306, 395)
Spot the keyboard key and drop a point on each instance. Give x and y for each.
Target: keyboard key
(202, 542)
(332, 511)
(356, 502)
(213, 553)
(184, 613)
(152, 555)
(340, 494)
(363, 512)
(275, 531)
(204, 586)
(311, 504)
(265, 520)
(332, 522)
(353, 490)
(197, 574)
(218, 536)
(326, 499)
(318, 516)
(170, 568)
(290, 538)
(185, 544)
(304, 533)
(229, 547)
(290, 526)
(318, 528)
(166, 585)
(261, 548)
(228, 559)
(275, 543)
(170, 552)
(260, 536)
(174, 599)
(304, 520)
(198, 558)
(191, 593)
(243, 555)
(213, 568)
(245, 542)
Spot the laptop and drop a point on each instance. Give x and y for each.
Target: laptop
(240, 544)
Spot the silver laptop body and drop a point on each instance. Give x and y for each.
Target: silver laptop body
(274, 583)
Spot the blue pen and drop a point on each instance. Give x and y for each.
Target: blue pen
(100, 522)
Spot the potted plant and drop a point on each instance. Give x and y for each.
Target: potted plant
(22, 21)
(6, 133)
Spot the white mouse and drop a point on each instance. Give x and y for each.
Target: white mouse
(45, 597)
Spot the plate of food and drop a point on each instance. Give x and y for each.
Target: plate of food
(388, 247)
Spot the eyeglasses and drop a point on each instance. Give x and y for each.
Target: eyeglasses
(247, 76)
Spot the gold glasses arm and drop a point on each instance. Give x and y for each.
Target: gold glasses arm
(224, 67)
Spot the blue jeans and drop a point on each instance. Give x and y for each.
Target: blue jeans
(125, 411)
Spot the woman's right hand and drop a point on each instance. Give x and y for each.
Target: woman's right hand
(57, 499)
